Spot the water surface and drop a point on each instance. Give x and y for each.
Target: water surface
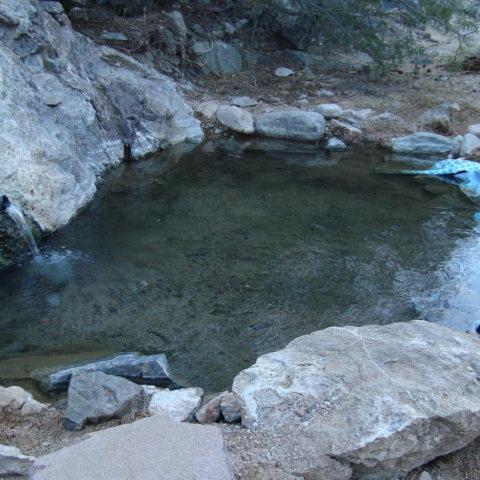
(219, 253)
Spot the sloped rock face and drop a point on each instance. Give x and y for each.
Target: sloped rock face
(69, 109)
(379, 399)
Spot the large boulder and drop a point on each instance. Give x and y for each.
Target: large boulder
(13, 462)
(423, 143)
(155, 448)
(146, 369)
(94, 397)
(69, 109)
(292, 125)
(381, 400)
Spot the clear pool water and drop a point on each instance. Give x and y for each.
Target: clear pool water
(218, 253)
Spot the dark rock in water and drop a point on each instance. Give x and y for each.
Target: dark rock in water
(94, 397)
(149, 370)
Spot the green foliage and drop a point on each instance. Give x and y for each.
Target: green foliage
(386, 30)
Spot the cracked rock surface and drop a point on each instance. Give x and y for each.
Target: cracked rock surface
(69, 109)
(379, 400)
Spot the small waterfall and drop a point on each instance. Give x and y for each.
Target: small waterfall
(17, 216)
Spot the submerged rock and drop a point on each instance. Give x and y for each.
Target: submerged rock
(236, 119)
(155, 448)
(177, 404)
(13, 462)
(292, 125)
(149, 369)
(94, 397)
(381, 399)
(106, 102)
(423, 143)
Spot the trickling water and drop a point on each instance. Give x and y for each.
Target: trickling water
(17, 216)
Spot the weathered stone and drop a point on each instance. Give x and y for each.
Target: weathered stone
(210, 412)
(437, 117)
(236, 119)
(292, 125)
(150, 369)
(470, 147)
(335, 145)
(13, 462)
(179, 24)
(177, 404)
(244, 102)
(155, 448)
(284, 72)
(230, 408)
(474, 130)
(329, 110)
(218, 57)
(52, 157)
(208, 109)
(371, 397)
(348, 132)
(94, 397)
(18, 399)
(423, 143)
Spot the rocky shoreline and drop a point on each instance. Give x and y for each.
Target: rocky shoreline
(342, 403)
(375, 402)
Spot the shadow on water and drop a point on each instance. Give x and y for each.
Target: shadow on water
(228, 251)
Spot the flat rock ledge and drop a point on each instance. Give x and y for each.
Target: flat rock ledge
(155, 448)
(372, 402)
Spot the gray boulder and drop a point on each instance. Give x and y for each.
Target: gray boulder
(13, 462)
(236, 119)
(149, 369)
(380, 399)
(474, 130)
(292, 125)
(94, 397)
(423, 143)
(107, 103)
(218, 57)
(329, 110)
(244, 102)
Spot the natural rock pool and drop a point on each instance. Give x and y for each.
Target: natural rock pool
(219, 253)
